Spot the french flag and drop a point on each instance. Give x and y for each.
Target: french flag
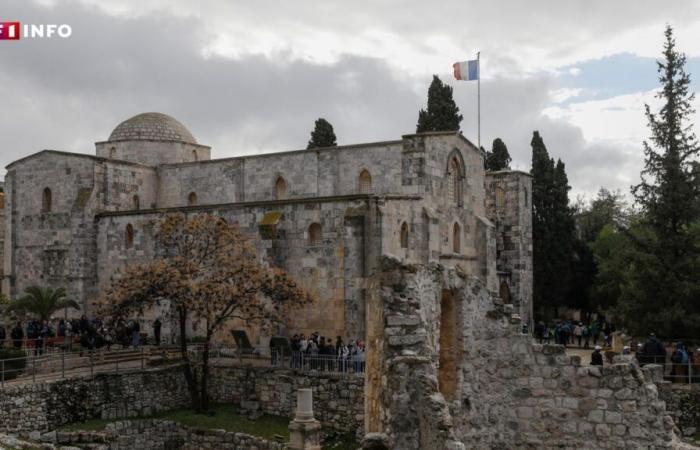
(466, 70)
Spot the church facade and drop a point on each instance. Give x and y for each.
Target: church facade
(325, 215)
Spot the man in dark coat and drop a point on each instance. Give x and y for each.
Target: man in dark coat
(17, 335)
(156, 330)
(597, 357)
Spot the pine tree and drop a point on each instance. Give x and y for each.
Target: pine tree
(498, 158)
(323, 135)
(552, 228)
(664, 287)
(442, 113)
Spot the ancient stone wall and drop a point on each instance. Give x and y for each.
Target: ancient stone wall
(338, 398)
(683, 404)
(459, 373)
(307, 173)
(153, 434)
(509, 208)
(50, 246)
(43, 407)
(332, 269)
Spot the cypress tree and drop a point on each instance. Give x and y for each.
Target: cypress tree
(552, 228)
(322, 135)
(498, 158)
(662, 292)
(442, 113)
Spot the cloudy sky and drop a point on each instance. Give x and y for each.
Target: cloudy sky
(252, 76)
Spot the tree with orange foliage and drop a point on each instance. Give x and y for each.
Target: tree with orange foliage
(208, 271)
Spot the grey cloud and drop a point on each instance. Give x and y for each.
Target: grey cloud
(67, 94)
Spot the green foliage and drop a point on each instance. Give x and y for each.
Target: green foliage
(553, 228)
(442, 113)
(662, 288)
(608, 209)
(42, 302)
(611, 253)
(322, 135)
(498, 158)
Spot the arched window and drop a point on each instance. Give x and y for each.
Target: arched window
(129, 236)
(500, 197)
(46, 201)
(454, 181)
(314, 234)
(136, 202)
(365, 182)
(194, 155)
(456, 238)
(112, 153)
(192, 199)
(404, 235)
(280, 189)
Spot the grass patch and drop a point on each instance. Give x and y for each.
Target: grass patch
(88, 425)
(226, 417)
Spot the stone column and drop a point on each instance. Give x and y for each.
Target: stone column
(304, 430)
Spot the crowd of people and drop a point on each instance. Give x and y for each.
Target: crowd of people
(318, 353)
(683, 361)
(569, 332)
(64, 333)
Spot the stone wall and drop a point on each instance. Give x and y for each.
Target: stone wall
(338, 399)
(683, 404)
(508, 206)
(46, 406)
(458, 372)
(155, 434)
(331, 270)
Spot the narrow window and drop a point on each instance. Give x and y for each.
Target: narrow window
(280, 189)
(194, 155)
(404, 235)
(500, 197)
(314, 234)
(454, 182)
(46, 201)
(456, 239)
(112, 153)
(525, 192)
(192, 199)
(136, 202)
(365, 182)
(129, 236)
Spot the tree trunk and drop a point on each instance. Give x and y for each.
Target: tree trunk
(190, 373)
(205, 375)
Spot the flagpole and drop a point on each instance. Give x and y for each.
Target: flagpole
(478, 97)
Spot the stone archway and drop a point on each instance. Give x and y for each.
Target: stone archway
(504, 292)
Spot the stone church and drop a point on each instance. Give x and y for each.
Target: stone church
(325, 215)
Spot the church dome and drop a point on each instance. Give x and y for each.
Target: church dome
(152, 126)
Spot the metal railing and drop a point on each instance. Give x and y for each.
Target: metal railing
(301, 361)
(350, 364)
(36, 367)
(52, 365)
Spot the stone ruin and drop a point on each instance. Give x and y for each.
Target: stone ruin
(456, 372)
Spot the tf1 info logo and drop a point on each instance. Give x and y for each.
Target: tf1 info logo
(13, 31)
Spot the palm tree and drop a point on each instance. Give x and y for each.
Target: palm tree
(42, 302)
